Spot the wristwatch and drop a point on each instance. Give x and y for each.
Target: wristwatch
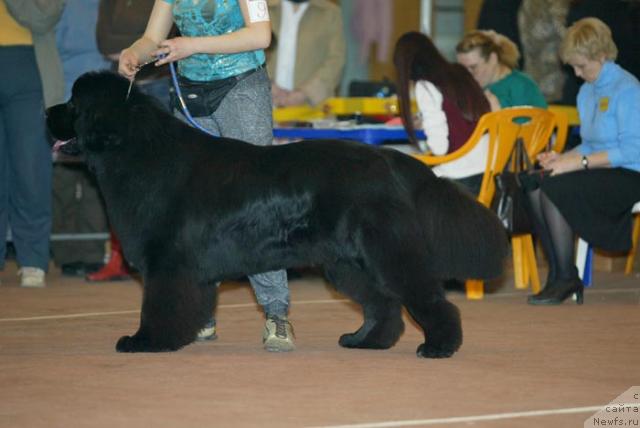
(585, 162)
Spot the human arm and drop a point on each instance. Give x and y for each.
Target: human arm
(620, 129)
(143, 49)
(494, 102)
(434, 121)
(39, 16)
(628, 129)
(572, 161)
(322, 83)
(254, 35)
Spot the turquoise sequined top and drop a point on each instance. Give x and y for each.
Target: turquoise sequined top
(198, 18)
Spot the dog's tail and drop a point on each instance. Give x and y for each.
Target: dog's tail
(465, 239)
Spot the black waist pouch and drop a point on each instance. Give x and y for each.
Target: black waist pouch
(203, 98)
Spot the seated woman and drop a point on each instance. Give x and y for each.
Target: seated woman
(492, 60)
(591, 188)
(450, 102)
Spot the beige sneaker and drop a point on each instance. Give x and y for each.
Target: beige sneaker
(278, 335)
(32, 277)
(208, 332)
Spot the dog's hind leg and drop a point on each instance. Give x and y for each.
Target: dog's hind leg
(382, 317)
(173, 310)
(440, 320)
(400, 260)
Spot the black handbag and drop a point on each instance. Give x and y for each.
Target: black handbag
(510, 202)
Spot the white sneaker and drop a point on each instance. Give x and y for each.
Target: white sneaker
(32, 277)
(278, 335)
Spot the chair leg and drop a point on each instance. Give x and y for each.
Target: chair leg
(474, 289)
(583, 262)
(634, 245)
(518, 263)
(526, 271)
(532, 264)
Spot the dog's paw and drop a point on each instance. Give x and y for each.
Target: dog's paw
(137, 343)
(128, 344)
(353, 340)
(349, 340)
(426, 350)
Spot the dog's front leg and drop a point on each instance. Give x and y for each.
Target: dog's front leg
(174, 308)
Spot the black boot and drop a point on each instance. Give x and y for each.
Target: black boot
(558, 291)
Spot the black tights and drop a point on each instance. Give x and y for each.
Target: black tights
(556, 237)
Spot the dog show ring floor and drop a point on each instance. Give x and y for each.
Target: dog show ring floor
(519, 365)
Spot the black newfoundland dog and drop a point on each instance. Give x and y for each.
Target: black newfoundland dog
(191, 210)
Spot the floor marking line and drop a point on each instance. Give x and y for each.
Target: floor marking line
(252, 304)
(134, 311)
(476, 418)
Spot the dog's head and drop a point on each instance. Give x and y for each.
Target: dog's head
(95, 117)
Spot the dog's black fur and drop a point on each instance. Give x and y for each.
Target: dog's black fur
(191, 210)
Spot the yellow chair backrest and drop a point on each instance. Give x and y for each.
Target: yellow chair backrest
(538, 134)
(570, 112)
(502, 128)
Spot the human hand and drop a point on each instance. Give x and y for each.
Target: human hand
(278, 95)
(560, 163)
(128, 63)
(284, 98)
(546, 158)
(175, 49)
(494, 103)
(417, 120)
(295, 98)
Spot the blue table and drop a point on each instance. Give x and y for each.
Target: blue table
(368, 134)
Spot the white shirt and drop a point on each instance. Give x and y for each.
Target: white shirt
(287, 41)
(434, 122)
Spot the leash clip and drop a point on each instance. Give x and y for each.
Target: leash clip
(159, 57)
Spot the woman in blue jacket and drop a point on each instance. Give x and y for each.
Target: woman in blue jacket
(593, 187)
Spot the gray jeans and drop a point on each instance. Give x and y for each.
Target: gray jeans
(245, 114)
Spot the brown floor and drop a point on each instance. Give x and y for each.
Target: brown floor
(58, 367)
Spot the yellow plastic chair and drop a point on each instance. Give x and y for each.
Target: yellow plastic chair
(570, 112)
(502, 128)
(635, 237)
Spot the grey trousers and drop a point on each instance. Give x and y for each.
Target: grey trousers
(25, 159)
(245, 114)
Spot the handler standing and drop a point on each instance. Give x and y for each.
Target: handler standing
(221, 59)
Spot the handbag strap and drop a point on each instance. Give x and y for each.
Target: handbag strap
(522, 161)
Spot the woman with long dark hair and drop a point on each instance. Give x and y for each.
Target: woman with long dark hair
(450, 103)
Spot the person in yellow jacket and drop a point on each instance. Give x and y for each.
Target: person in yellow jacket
(30, 80)
(307, 53)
